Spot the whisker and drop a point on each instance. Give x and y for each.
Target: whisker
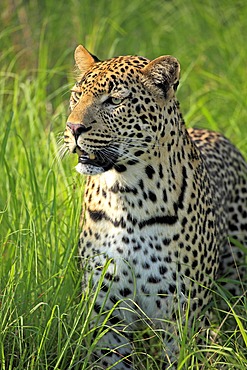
(60, 154)
(62, 151)
(122, 152)
(136, 142)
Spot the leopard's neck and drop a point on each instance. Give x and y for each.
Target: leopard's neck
(156, 185)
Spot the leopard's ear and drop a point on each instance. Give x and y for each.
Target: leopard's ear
(161, 75)
(84, 60)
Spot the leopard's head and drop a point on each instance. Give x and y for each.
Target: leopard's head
(117, 109)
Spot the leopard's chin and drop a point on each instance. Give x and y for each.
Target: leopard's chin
(89, 169)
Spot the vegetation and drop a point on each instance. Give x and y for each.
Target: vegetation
(43, 317)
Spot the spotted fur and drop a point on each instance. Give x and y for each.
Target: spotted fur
(159, 204)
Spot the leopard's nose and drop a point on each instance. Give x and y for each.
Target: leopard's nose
(77, 129)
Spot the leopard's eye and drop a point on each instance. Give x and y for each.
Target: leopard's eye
(114, 101)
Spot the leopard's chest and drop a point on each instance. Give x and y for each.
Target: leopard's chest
(138, 268)
(148, 265)
(149, 243)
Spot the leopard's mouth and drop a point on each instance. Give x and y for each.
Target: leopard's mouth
(94, 162)
(95, 159)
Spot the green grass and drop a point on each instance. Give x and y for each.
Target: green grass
(43, 317)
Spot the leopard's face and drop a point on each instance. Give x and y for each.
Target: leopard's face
(115, 112)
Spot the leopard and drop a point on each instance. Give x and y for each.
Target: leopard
(164, 208)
